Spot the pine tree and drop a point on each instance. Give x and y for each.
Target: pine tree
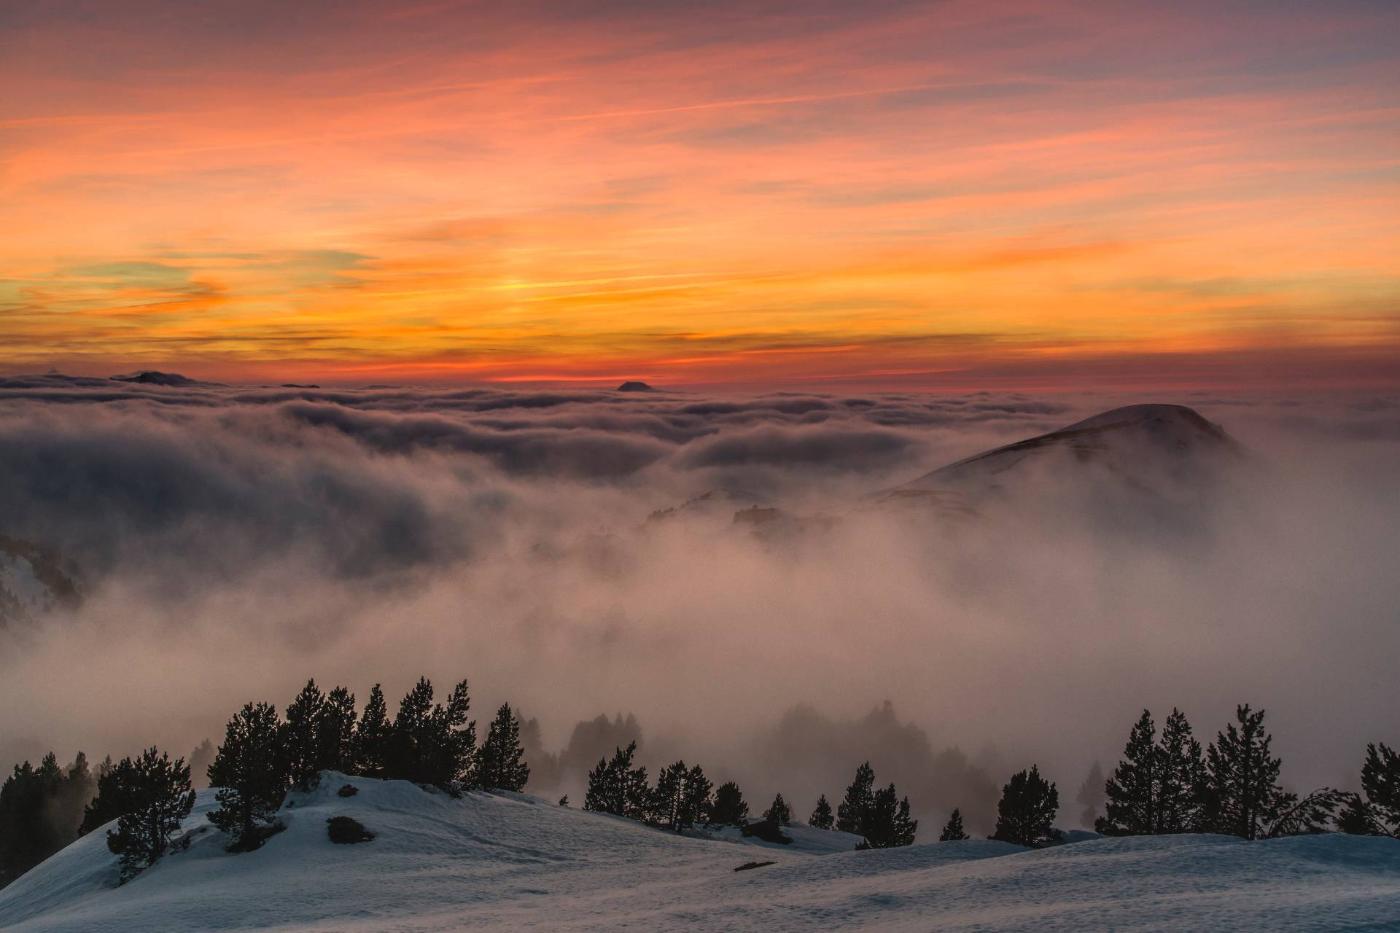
(1380, 779)
(302, 746)
(371, 741)
(953, 829)
(854, 809)
(729, 808)
(1179, 774)
(667, 795)
(1130, 807)
(500, 765)
(113, 799)
(335, 732)
(161, 797)
(250, 771)
(432, 744)
(887, 823)
(697, 801)
(615, 787)
(778, 811)
(1091, 795)
(457, 740)
(201, 757)
(905, 827)
(41, 810)
(1026, 811)
(1241, 791)
(1356, 818)
(821, 817)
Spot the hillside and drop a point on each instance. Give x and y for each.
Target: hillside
(516, 862)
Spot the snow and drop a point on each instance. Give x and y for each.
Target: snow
(515, 862)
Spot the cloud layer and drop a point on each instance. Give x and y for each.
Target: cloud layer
(577, 553)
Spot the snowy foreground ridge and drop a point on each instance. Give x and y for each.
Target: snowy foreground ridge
(517, 862)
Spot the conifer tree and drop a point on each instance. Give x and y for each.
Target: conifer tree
(432, 743)
(854, 810)
(1356, 818)
(666, 797)
(778, 811)
(1091, 795)
(41, 810)
(335, 732)
(615, 787)
(1026, 811)
(887, 823)
(250, 771)
(302, 748)
(1241, 791)
(821, 817)
(501, 764)
(697, 801)
(729, 808)
(1130, 807)
(201, 757)
(372, 733)
(113, 785)
(953, 829)
(160, 798)
(1179, 774)
(905, 826)
(1380, 779)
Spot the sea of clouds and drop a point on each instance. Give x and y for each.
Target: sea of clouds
(232, 541)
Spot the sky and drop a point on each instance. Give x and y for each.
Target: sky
(955, 195)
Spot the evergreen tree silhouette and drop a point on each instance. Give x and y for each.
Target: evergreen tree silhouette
(250, 771)
(1026, 811)
(615, 787)
(372, 733)
(335, 732)
(302, 749)
(953, 829)
(113, 799)
(1380, 779)
(41, 811)
(729, 808)
(1241, 793)
(778, 811)
(160, 798)
(887, 823)
(1356, 818)
(1179, 776)
(665, 798)
(821, 817)
(501, 764)
(1130, 806)
(853, 812)
(697, 801)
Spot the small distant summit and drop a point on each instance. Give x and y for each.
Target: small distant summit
(634, 385)
(152, 377)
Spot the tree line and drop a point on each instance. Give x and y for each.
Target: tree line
(682, 798)
(1165, 783)
(262, 757)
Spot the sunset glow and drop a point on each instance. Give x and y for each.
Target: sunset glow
(925, 194)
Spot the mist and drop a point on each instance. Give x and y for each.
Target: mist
(578, 553)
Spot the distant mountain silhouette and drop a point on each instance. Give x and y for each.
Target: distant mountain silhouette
(1128, 441)
(153, 377)
(634, 386)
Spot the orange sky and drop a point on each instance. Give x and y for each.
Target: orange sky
(913, 194)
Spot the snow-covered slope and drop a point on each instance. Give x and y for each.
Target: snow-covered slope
(515, 862)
